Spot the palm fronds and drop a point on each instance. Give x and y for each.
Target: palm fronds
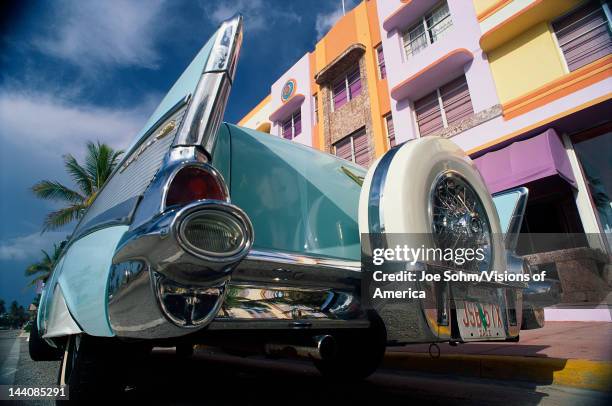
(89, 177)
(42, 269)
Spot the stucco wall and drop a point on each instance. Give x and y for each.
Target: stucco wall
(465, 33)
(514, 64)
(258, 116)
(301, 73)
(482, 5)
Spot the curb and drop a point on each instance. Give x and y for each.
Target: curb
(577, 373)
(585, 315)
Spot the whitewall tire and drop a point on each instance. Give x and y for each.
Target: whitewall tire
(405, 191)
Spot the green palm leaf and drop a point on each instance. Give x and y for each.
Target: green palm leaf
(52, 190)
(100, 162)
(89, 177)
(41, 270)
(79, 175)
(61, 217)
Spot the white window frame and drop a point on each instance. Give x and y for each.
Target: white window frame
(350, 137)
(344, 76)
(559, 50)
(292, 118)
(378, 49)
(423, 23)
(315, 109)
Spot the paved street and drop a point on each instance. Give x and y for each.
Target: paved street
(215, 378)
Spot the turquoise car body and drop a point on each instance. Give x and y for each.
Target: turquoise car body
(300, 201)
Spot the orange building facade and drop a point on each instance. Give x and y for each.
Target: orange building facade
(346, 69)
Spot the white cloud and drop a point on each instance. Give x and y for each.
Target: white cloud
(324, 21)
(57, 126)
(258, 14)
(29, 246)
(109, 32)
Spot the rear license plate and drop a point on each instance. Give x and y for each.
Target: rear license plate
(480, 321)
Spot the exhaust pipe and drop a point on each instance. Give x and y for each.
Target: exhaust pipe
(324, 347)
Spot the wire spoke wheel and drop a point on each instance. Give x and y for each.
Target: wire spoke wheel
(459, 221)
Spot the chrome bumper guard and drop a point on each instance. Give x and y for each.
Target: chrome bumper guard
(169, 276)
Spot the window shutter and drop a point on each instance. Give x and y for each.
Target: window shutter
(583, 35)
(362, 148)
(339, 92)
(354, 82)
(287, 129)
(456, 100)
(343, 149)
(429, 116)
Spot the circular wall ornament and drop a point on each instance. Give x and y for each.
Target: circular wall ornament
(288, 90)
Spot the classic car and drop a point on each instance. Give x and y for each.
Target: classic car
(208, 233)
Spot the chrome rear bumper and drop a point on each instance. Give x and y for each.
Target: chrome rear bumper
(162, 286)
(159, 288)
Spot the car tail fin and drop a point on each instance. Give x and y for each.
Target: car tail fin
(205, 86)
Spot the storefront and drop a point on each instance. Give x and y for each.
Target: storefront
(567, 224)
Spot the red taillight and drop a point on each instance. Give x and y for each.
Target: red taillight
(191, 184)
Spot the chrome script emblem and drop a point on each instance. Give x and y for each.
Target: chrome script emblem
(167, 129)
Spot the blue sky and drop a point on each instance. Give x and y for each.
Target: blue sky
(73, 71)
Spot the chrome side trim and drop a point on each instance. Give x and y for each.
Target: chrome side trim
(375, 216)
(61, 323)
(123, 213)
(298, 271)
(205, 111)
(299, 259)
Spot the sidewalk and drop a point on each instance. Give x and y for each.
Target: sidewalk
(576, 354)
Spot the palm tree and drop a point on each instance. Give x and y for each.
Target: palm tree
(43, 268)
(89, 178)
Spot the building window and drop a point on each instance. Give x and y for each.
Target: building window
(354, 148)
(315, 102)
(427, 30)
(292, 127)
(590, 147)
(584, 34)
(380, 58)
(444, 106)
(346, 88)
(390, 130)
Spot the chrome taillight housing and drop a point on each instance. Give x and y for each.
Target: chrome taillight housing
(216, 231)
(193, 183)
(212, 233)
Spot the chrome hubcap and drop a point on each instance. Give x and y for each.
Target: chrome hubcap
(459, 220)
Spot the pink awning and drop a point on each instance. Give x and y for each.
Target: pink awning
(287, 108)
(525, 161)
